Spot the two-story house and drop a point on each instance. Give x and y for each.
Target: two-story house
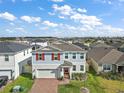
(58, 59)
(12, 58)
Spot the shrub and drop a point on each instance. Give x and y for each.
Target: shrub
(78, 76)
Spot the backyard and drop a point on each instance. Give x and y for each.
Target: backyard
(24, 80)
(96, 84)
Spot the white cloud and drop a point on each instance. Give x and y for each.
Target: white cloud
(30, 19)
(64, 10)
(57, 0)
(7, 16)
(82, 10)
(51, 13)
(12, 24)
(62, 17)
(48, 23)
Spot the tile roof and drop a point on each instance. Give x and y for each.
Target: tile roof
(12, 47)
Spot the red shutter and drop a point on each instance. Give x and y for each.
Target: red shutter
(58, 56)
(52, 56)
(36, 56)
(43, 57)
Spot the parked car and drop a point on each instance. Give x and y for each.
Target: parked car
(3, 80)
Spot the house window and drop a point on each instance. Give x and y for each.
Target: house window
(55, 56)
(6, 58)
(66, 55)
(82, 56)
(81, 67)
(24, 53)
(106, 67)
(39, 57)
(74, 67)
(27, 51)
(74, 56)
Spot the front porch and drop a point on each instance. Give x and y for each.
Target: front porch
(66, 69)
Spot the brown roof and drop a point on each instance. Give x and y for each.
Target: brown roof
(48, 49)
(112, 57)
(98, 53)
(121, 60)
(67, 47)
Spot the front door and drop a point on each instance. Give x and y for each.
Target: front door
(66, 73)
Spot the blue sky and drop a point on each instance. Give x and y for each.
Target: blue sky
(61, 18)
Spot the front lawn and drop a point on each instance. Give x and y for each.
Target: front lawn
(24, 80)
(96, 84)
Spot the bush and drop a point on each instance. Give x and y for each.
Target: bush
(78, 76)
(60, 78)
(112, 76)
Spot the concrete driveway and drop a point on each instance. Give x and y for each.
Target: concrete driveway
(45, 86)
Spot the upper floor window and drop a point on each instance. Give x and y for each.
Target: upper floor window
(66, 55)
(81, 67)
(6, 58)
(24, 53)
(82, 56)
(55, 56)
(41, 56)
(74, 67)
(27, 51)
(74, 56)
(106, 67)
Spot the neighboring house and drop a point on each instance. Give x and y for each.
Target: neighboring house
(82, 45)
(106, 59)
(12, 57)
(59, 59)
(102, 45)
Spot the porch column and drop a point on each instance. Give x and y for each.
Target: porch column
(62, 73)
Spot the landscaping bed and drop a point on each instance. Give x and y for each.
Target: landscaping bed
(24, 80)
(95, 84)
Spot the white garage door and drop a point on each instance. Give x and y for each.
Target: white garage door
(5, 73)
(48, 73)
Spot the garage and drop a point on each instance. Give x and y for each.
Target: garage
(6, 73)
(46, 73)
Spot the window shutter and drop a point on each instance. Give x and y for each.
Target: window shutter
(58, 56)
(43, 57)
(36, 56)
(52, 56)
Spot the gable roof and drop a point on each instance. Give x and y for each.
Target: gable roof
(81, 45)
(12, 47)
(98, 53)
(96, 45)
(66, 46)
(106, 55)
(48, 49)
(112, 57)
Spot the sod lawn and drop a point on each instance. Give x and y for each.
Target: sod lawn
(24, 80)
(96, 84)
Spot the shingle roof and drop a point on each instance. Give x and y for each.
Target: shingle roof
(112, 57)
(48, 49)
(96, 45)
(67, 47)
(12, 47)
(98, 53)
(106, 55)
(81, 45)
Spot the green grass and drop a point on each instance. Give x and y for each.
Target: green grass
(24, 80)
(96, 84)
